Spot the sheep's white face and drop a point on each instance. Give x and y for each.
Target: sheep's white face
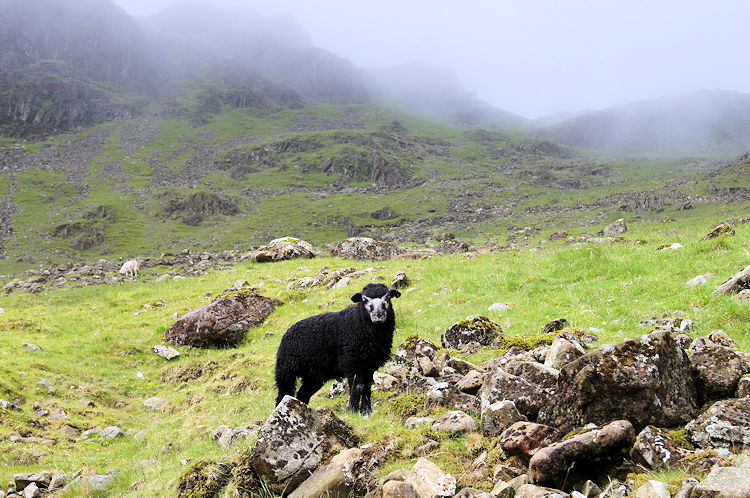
(377, 308)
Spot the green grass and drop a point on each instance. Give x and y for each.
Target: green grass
(94, 345)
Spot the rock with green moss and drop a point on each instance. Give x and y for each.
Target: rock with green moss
(646, 380)
(415, 347)
(223, 322)
(282, 249)
(472, 329)
(721, 229)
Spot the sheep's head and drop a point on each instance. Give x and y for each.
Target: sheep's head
(376, 299)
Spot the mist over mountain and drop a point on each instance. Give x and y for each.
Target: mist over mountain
(437, 93)
(65, 64)
(706, 123)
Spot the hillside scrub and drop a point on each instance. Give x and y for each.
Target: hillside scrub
(96, 347)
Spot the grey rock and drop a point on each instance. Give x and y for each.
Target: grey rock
(165, 351)
(455, 422)
(526, 438)
(699, 280)
(718, 370)
(31, 491)
(294, 441)
(91, 432)
(736, 283)
(653, 489)
(615, 228)
(473, 493)
(563, 351)
(726, 482)
(471, 382)
(282, 249)
(430, 481)
(417, 422)
(156, 404)
(111, 432)
(32, 347)
(498, 416)
(365, 249)
(726, 424)
(226, 436)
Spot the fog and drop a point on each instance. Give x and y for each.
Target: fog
(537, 57)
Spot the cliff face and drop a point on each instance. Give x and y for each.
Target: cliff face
(68, 63)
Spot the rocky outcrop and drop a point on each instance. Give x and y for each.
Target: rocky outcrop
(365, 249)
(736, 283)
(282, 249)
(223, 322)
(647, 381)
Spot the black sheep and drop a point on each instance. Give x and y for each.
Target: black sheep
(351, 343)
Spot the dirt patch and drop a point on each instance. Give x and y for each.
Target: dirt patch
(186, 373)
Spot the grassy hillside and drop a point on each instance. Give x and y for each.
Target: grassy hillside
(96, 346)
(245, 176)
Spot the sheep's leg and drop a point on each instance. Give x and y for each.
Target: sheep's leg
(366, 407)
(355, 392)
(310, 385)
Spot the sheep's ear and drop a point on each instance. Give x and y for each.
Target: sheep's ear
(394, 293)
(357, 298)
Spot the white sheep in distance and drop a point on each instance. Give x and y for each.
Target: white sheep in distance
(129, 268)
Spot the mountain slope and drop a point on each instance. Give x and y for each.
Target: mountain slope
(59, 70)
(707, 123)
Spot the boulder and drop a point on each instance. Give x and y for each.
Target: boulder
(736, 283)
(655, 449)
(223, 322)
(473, 329)
(646, 380)
(653, 489)
(473, 493)
(498, 416)
(156, 404)
(699, 280)
(111, 432)
(555, 325)
(726, 482)
(283, 249)
(717, 370)
(294, 441)
(500, 385)
(615, 228)
(526, 438)
(365, 249)
(726, 424)
(581, 456)
(431, 482)
(347, 474)
(720, 229)
(417, 422)
(455, 422)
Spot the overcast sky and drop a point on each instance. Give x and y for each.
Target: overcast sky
(535, 57)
